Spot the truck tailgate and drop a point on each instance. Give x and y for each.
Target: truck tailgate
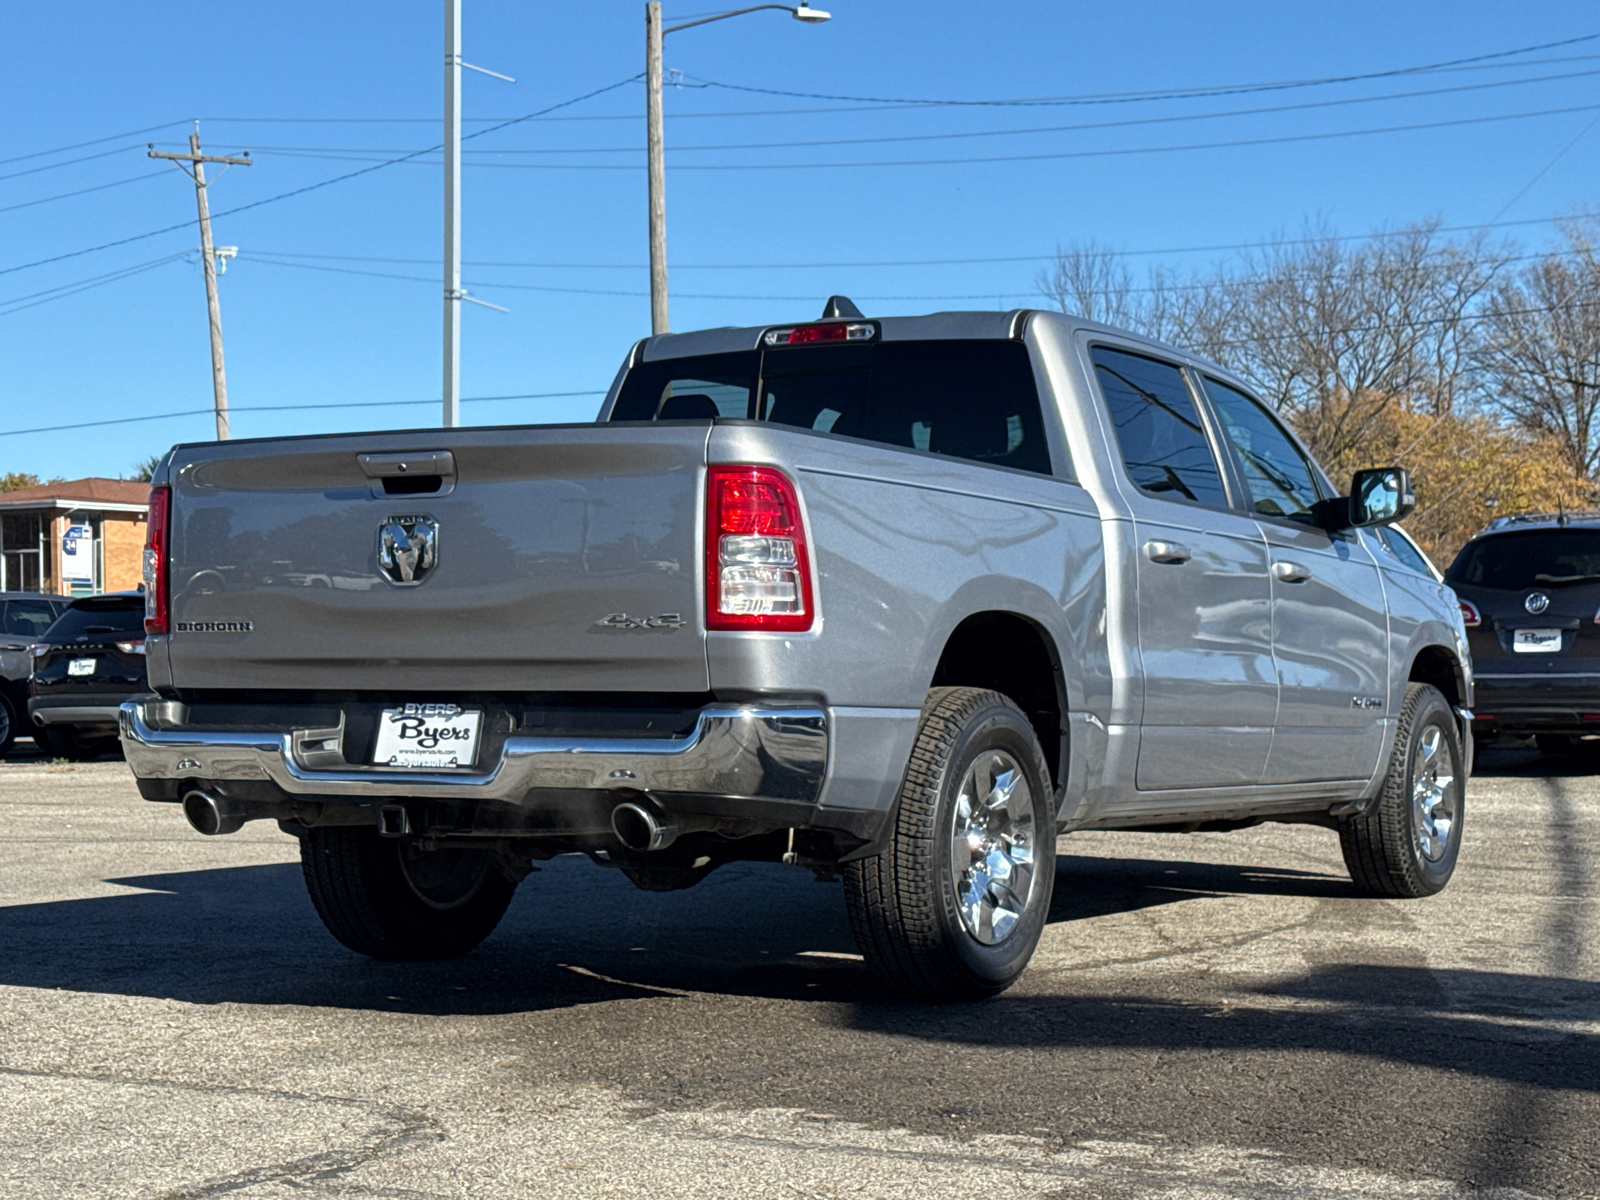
(539, 536)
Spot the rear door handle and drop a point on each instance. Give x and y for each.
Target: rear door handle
(1166, 552)
(1289, 572)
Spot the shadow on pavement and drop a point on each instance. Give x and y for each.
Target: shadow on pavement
(579, 935)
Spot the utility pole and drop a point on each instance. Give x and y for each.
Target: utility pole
(657, 167)
(452, 213)
(196, 170)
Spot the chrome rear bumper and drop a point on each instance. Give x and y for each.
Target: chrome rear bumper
(734, 752)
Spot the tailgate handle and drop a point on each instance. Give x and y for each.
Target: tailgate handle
(418, 473)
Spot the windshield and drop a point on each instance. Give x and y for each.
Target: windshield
(102, 614)
(1528, 558)
(972, 399)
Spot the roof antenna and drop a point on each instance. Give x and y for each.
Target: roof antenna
(841, 308)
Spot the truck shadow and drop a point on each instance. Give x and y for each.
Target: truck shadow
(578, 936)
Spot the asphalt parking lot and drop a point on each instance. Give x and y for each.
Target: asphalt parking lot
(1210, 1016)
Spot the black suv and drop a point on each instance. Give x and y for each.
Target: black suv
(1529, 588)
(24, 617)
(87, 664)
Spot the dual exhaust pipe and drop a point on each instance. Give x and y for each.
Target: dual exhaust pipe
(640, 825)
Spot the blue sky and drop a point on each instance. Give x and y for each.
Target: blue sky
(334, 298)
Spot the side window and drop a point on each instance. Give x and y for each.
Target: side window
(1397, 545)
(1280, 479)
(30, 618)
(1163, 444)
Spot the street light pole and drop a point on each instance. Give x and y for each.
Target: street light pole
(452, 214)
(653, 35)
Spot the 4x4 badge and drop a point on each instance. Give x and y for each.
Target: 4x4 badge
(1536, 603)
(408, 548)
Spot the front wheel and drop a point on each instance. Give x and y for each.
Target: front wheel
(384, 898)
(1406, 844)
(953, 906)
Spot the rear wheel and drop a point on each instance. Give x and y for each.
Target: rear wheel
(8, 724)
(953, 906)
(63, 741)
(385, 898)
(1406, 844)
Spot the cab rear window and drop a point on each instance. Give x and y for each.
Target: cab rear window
(972, 399)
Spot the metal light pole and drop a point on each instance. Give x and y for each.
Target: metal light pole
(653, 34)
(453, 295)
(452, 214)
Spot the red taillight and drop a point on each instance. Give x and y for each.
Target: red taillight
(799, 335)
(157, 553)
(1469, 615)
(758, 574)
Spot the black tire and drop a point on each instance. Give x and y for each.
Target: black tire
(1392, 849)
(383, 898)
(8, 723)
(63, 741)
(903, 902)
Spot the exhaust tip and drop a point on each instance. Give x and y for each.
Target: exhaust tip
(209, 815)
(642, 827)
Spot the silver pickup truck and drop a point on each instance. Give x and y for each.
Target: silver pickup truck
(898, 600)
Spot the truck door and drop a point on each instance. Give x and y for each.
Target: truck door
(1205, 623)
(1329, 619)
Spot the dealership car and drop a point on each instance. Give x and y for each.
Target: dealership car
(1529, 587)
(24, 617)
(85, 666)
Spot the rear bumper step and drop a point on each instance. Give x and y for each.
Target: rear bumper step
(734, 752)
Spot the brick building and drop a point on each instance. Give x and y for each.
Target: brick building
(74, 538)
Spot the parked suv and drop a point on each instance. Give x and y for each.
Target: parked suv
(24, 617)
(1529, 588)
(88, 663)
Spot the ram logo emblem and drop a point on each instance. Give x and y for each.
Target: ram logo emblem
(408, 548)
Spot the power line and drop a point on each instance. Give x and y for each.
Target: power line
(330, 151)
(1168, 94)
(940, 262)
(200, 412)
(1115, 152)
(138, 237)
(99, 187)
(69, 162)
(205, 412)
(16, 303)
(114, 137)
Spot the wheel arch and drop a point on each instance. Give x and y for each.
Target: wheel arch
(1442, 668)
(1007, 652)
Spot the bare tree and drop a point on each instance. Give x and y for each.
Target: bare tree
(1092, 281)
(1336, 333)
(1543, 352)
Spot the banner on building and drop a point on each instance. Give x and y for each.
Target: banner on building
(77, 555)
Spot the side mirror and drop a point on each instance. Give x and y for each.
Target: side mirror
(1381, 496)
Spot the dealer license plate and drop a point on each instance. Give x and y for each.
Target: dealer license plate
(1536, 641)
(81, 666)
(424, 736)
